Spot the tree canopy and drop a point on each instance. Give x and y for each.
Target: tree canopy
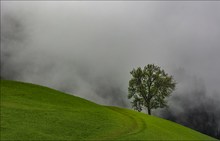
(149, 87)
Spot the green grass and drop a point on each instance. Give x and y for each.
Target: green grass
(32, 112)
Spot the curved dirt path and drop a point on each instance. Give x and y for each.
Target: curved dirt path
(134, 126)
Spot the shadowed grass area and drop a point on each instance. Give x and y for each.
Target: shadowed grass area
(32, 112)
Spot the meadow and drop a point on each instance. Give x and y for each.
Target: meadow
(33, 112)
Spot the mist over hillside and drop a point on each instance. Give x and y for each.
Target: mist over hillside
(89, 48)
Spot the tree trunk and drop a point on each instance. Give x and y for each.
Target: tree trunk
(149, 111)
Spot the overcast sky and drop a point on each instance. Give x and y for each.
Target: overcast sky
(89, 48)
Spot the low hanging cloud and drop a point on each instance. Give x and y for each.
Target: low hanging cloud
(89, 48)
(192, 105)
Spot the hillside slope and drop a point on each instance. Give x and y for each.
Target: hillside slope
(35, 112)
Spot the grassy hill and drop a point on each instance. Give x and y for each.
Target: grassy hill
(34, 112)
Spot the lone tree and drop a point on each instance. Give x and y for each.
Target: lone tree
(149, 87)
